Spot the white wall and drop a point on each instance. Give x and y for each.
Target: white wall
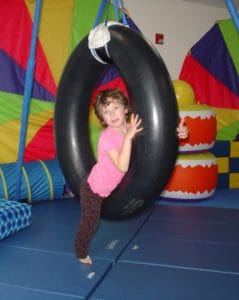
(182, 23)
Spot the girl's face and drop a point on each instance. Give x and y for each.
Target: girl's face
(114, 115)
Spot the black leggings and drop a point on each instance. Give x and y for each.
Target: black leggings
(90, 218)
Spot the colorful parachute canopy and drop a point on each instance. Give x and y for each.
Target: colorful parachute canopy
(211, 68)
(62, 25)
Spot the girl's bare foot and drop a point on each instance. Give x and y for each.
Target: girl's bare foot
(87, 260)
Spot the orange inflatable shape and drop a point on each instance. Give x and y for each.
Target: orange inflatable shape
(202, 125)
(194, 177)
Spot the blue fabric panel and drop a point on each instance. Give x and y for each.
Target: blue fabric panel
(13, 79)
(211, 51)
(47, 271)
(139, 281)
(14, 216)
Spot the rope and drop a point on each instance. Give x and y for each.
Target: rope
(27, 98)
(233, 12)
(99, 35)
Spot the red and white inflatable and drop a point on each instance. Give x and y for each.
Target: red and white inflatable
(194, 177)
(201, 122)
(195, 173)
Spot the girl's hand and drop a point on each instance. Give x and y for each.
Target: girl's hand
(121, 159)
(134, 127)
(182, 130)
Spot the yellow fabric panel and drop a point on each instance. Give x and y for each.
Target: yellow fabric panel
(93, 119)
(234, 149)
(10, 133)
(234, 180)
(225, 116)
(55, 32)
(223, 164)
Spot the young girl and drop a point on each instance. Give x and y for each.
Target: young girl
(114, 151)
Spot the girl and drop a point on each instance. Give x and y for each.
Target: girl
(114, 151)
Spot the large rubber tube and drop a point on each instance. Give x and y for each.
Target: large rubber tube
(153, 97)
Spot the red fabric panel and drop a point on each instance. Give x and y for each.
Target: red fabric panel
(208, 90)
(15, 40)
(116, 83)
(42, 145)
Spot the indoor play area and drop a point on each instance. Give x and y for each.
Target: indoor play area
(170, 229)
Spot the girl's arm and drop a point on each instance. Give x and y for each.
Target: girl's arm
(121, 159)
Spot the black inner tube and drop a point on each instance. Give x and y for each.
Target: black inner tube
(153, 98)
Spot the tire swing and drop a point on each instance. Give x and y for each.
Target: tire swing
(153, 98)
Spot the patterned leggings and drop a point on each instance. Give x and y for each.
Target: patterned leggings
(90, 217)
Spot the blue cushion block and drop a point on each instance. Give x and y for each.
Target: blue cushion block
(223, 181)
(221, 149)
(234, 165)
(13, 217)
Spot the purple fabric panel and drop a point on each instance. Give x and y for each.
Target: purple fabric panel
(132, 24)
(109, 74)
(211, 52)
(12, 79)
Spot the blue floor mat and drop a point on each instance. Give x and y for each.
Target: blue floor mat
(225, 198)
(39, 261)
(196, 214)
(130, 281)
(194, 231)
(54, 228)
(53, 273)
(145, 249)
(19, 293)
(188, 251)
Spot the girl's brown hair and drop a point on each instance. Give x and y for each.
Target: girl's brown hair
(105, 97)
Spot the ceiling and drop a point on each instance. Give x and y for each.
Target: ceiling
(217, 3)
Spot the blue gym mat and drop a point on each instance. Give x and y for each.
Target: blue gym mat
(44, 271)
(130, 281)
(225, 198)
(171, 251)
